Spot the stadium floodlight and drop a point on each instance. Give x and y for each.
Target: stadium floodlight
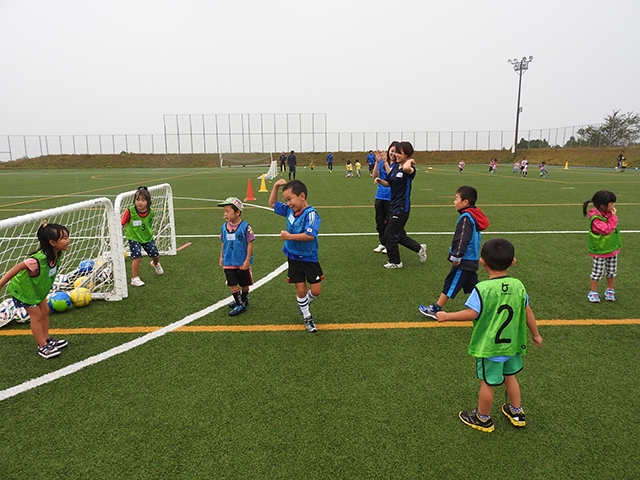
(520, 66)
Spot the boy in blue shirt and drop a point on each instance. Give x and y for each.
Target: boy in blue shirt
(500, 311)
(300, 244)
(464, 252)
(236, 254)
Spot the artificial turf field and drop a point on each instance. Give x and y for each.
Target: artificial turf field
(376, 392)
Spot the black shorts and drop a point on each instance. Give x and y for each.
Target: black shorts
(235, 276)
(304, 272)
(459, 279)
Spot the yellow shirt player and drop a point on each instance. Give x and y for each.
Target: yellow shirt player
(312, 165)
(349, 169)
(358, 169)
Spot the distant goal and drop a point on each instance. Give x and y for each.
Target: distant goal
(245, 155)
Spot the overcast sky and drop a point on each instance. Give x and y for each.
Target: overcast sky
(111, 67)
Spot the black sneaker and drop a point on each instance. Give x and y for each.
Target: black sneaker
(57, 343)
(237, 310)
(516, 419)
(471, 419)
(48, 351)
(234, 304)
(310, 325)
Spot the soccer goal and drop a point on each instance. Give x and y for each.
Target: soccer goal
(95, 258)
(164, 229)
(245, 155)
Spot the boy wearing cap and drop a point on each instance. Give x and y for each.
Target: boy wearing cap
(236, 254)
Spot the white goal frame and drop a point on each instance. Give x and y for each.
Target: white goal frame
(93, 228)
(260, 152)
(164, 228)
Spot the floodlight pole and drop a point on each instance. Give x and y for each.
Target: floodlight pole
(520, 66)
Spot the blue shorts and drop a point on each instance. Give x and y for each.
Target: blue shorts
(459, 279)
(136, 251)
(18, 304)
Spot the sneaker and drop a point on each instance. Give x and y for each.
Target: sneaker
(136, 282)
(423, 253)
(471, 419)
(57, 343)
(234, 304)
(429, 311)
(610, 295)
(310, 325)
(237, 310)
(48, 351)
(157, 268)
(379, 248)
(393, 265)
(516, 419)
(593, 297)
(384, 250)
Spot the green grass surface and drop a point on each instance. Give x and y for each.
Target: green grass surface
(340, 403)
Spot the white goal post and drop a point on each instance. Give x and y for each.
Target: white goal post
(164, 229)
(245, 154)
(96, 237)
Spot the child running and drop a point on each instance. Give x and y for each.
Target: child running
(358, 169)
(464, 252)
(500, 311)
(516, 166)
(461, 165)
(349, 169)
(138, 223)
(543, 170)
(300, 244)
(604, 242)
(31, 280)
(236, 254)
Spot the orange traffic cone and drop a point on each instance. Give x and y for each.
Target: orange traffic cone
(249, 191)
(263, 185)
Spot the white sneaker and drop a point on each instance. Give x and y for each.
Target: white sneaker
(157, 268)
(379, 248)
(136, 282)
(384, 250)
(393, 265)
(423, 253)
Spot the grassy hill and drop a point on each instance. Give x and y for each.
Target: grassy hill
(592, 157)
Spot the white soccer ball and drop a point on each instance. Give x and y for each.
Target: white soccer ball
(6, 312)
(21, 315)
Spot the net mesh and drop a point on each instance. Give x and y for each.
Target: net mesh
(241, 155)
(163, 221)
(94, 259)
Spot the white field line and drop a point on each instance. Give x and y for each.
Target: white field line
(125, 347)
(530, 232)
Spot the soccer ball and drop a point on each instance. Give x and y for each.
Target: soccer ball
(59, 301)
(85, 266)
(6, 312)
(83, 282)
(21, 315)
(80, 297)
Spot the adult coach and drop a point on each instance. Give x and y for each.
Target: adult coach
(330, 162)
(291, 160)
(383, 193)
(401, 174)
(371, 162)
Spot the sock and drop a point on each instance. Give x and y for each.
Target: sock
(436, 307)
(482, 417)
(244, 295)
(237, 297)
(515, 410)
(303, 304)
(310, 296)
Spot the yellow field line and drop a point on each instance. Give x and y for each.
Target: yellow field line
(327, 326)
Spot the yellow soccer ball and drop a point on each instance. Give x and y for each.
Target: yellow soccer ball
(80, 297)
(83, 282)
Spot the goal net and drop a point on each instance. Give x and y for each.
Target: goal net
(95, 259)
(164, 231)
(245, 155)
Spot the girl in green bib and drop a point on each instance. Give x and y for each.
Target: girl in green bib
(604, 242)
(31, 280)
(137, 221)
